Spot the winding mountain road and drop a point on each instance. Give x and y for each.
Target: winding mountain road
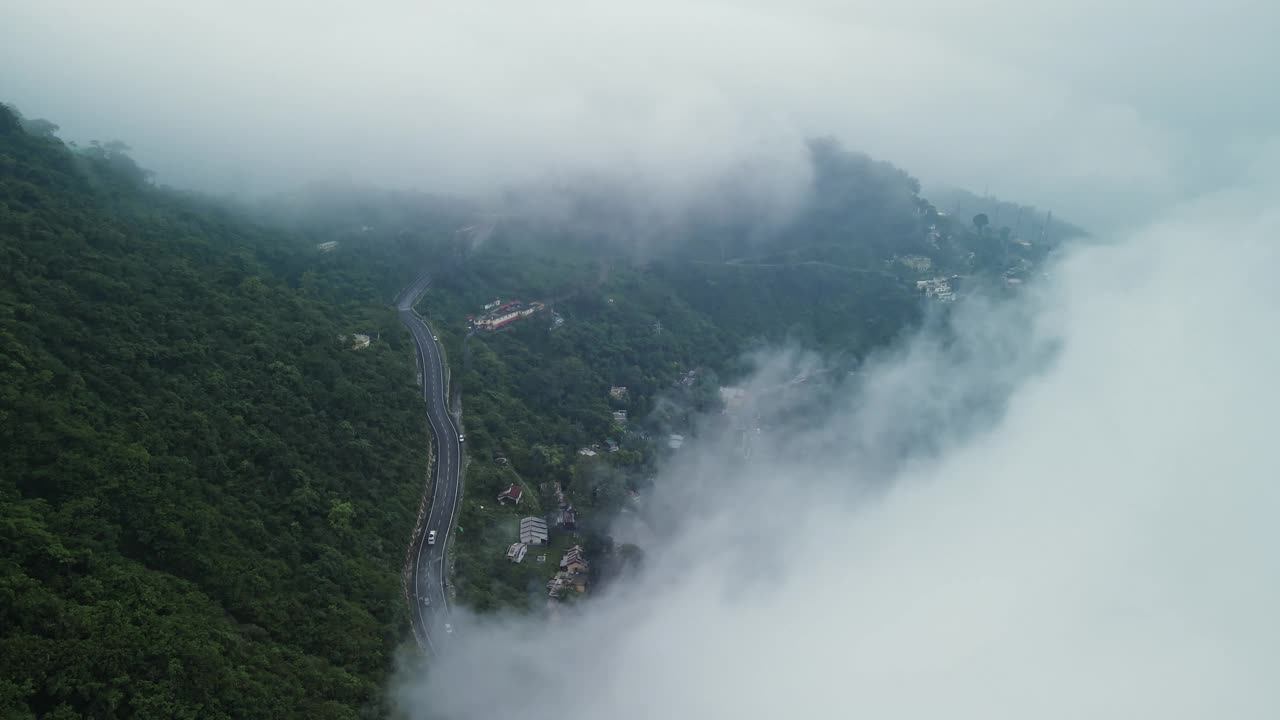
(428, 580)
(428, 596)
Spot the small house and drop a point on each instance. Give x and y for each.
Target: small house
(516, 552)
(567, 518)
(511, 495)
(574, 561)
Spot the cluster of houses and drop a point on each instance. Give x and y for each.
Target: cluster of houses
(534, 532)
(938, 289)
(572, 574)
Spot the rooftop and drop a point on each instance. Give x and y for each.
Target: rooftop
(533, 531)
(516, 552)
(512, 493)
(573, 555)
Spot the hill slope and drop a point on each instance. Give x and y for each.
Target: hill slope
(205, 493)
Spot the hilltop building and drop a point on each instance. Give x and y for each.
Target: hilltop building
(503, 315)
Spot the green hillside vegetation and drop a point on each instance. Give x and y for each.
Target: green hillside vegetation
(205, 495)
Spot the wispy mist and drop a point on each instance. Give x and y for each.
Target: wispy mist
(1100, 111)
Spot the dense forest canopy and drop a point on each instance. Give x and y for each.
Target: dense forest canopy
(205, 493)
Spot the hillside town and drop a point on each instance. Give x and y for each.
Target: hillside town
(550, 536)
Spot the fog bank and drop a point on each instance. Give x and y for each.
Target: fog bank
(1102, 113)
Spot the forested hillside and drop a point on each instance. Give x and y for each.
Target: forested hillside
(209, 484)
(205, 493)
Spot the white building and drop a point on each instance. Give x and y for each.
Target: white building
(675, 442)
(516, 552)
(533, 531)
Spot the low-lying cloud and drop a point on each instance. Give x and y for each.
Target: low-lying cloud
(1099, 111)
(1093, 536)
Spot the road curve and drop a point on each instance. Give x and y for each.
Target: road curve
(428, 581)
(427, 593)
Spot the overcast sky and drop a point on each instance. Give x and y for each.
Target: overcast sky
(1104, 111)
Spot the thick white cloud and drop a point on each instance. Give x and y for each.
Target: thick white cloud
(1099, 110)
(1103, 547)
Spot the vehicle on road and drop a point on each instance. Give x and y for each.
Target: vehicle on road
(431, 538)
(433, 337)
(462, 438)
(448, 628)
(426, 600)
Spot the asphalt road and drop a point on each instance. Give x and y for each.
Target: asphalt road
(428, 596)
(428, 587)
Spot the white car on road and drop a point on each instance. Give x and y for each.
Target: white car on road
(431, 538)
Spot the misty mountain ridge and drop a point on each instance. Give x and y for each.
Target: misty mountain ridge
(844, 208)
(200, 459)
